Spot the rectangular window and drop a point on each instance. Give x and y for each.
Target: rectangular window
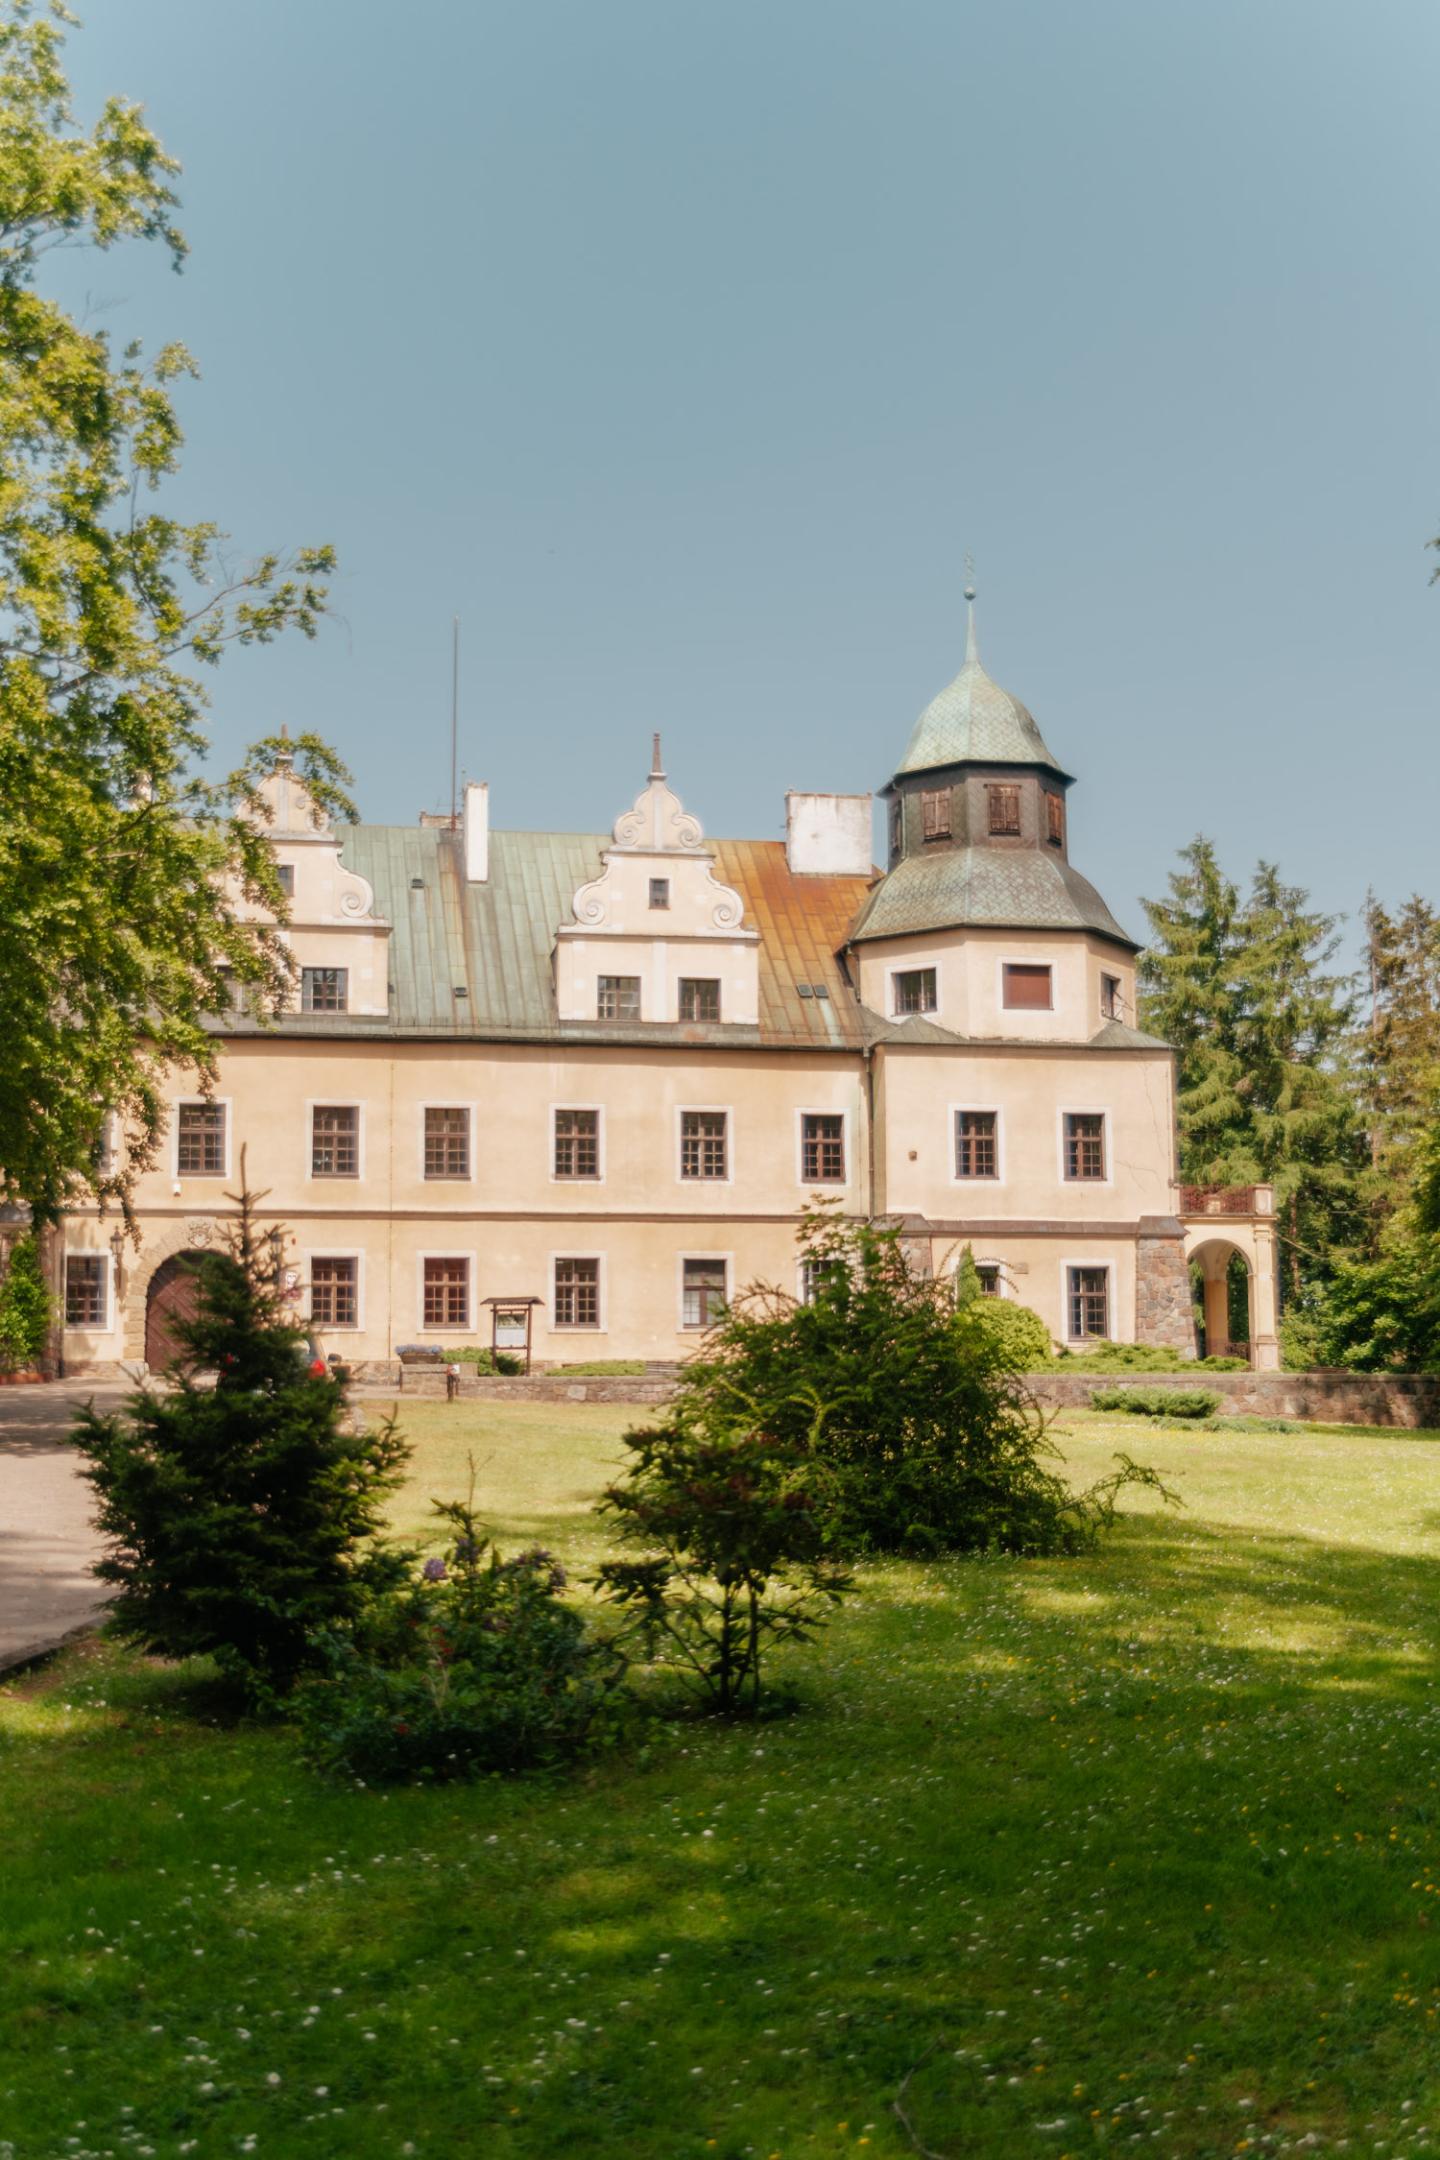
(822, 1148)
(335, 1140)
(285, 872)
(814, 1274)
(703, 1293)
(1026, 988)
(915, 991)
(976, 1152)
(324, 990)
(334, 1291)
(84, 1290)
(699, 997)
(234, 1000)
(989, 1274)
(703, 1148)
(577, 1293)
(445, 1293)
(897, 825)
(1054, 820)
(1084, 1144)
(447, 1142)
(659, 892)
(1109, 997)
(935, 813)
(1003, 807)
(618, 997)
(1089, 1302)
(577, 1143)
(200, 1139)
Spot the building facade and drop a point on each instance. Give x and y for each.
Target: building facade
(604, 1073)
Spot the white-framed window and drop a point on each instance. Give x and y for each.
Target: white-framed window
(1088, 1300)
(336, 1140)
(577, 1291)
(87, 1291)
(913, 990)
(823, 1146)
(992, 1278)
(337, 1289)
(577, 1143)
(705, 1145)
(446, 1151)
(975, 1130)
(324, 989)
(704, 1289)
(446, 1292)
(1084, 1147)
(812, 1275)
(202, 1137)
(617, 997)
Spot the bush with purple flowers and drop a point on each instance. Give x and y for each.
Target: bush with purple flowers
(475, 1665)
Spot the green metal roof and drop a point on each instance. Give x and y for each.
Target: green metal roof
(985, 887)
(974, 721)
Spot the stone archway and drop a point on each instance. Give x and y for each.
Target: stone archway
(171, 1297)
(193, 1235)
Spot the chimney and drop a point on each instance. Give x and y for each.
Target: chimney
(477, 832)
(828, 835)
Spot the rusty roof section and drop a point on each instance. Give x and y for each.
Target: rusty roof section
(803, 924)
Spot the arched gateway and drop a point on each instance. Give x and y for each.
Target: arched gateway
(171, 1297)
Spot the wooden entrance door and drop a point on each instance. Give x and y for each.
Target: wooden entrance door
(173, 1295)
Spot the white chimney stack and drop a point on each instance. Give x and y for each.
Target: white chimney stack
(477, 832)
(828, 835)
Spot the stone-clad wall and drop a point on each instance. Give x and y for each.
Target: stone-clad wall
(1163, 1314)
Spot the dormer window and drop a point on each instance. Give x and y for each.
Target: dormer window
(324, 990)
(659, 892)
(1003, 806)
(699, 997)
(935, 813)
(1054, 820)
(618, 997)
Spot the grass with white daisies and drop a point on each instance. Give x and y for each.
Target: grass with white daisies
(1136, 1852)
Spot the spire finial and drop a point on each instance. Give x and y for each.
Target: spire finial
(971, 654)
(657, 770)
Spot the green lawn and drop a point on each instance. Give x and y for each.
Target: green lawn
(1134, 1852)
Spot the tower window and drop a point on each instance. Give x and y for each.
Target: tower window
(915, 991)
(1054, 820)
(1003, 804)
(935, 813)
(1026, 987)
(897, 825)
(1110, 997)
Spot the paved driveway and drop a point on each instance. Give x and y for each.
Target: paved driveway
(46, 1541)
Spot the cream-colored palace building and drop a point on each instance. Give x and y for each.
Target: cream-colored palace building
(605, 1072)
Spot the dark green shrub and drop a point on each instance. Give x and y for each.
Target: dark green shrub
(1143, 1358)
(24, 1308)
(922, 1430)
(627, 1367)
(1158, 1401)
(476, 1665)
(735, 1555)
(240, 1516)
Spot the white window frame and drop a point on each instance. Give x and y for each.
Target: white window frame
(989, 1109)
(602, 1287)
(621, 1019)
(322, 967)
(107, 1262)
(333, 1102)
(471, 1128)
(1095, 1265)
(1086, 1184)
(728, 1261)
(335, 1252)
(570, 1182)
(213, 1102)
(442, 1328)
(892, 977)
(695, 1109)
(989, 1261)
(1000, 1004)
(823, 1184)
(800, 1266)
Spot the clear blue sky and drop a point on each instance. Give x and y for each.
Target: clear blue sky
(684, 349)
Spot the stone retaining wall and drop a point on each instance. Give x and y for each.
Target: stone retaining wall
(1325, 1398)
